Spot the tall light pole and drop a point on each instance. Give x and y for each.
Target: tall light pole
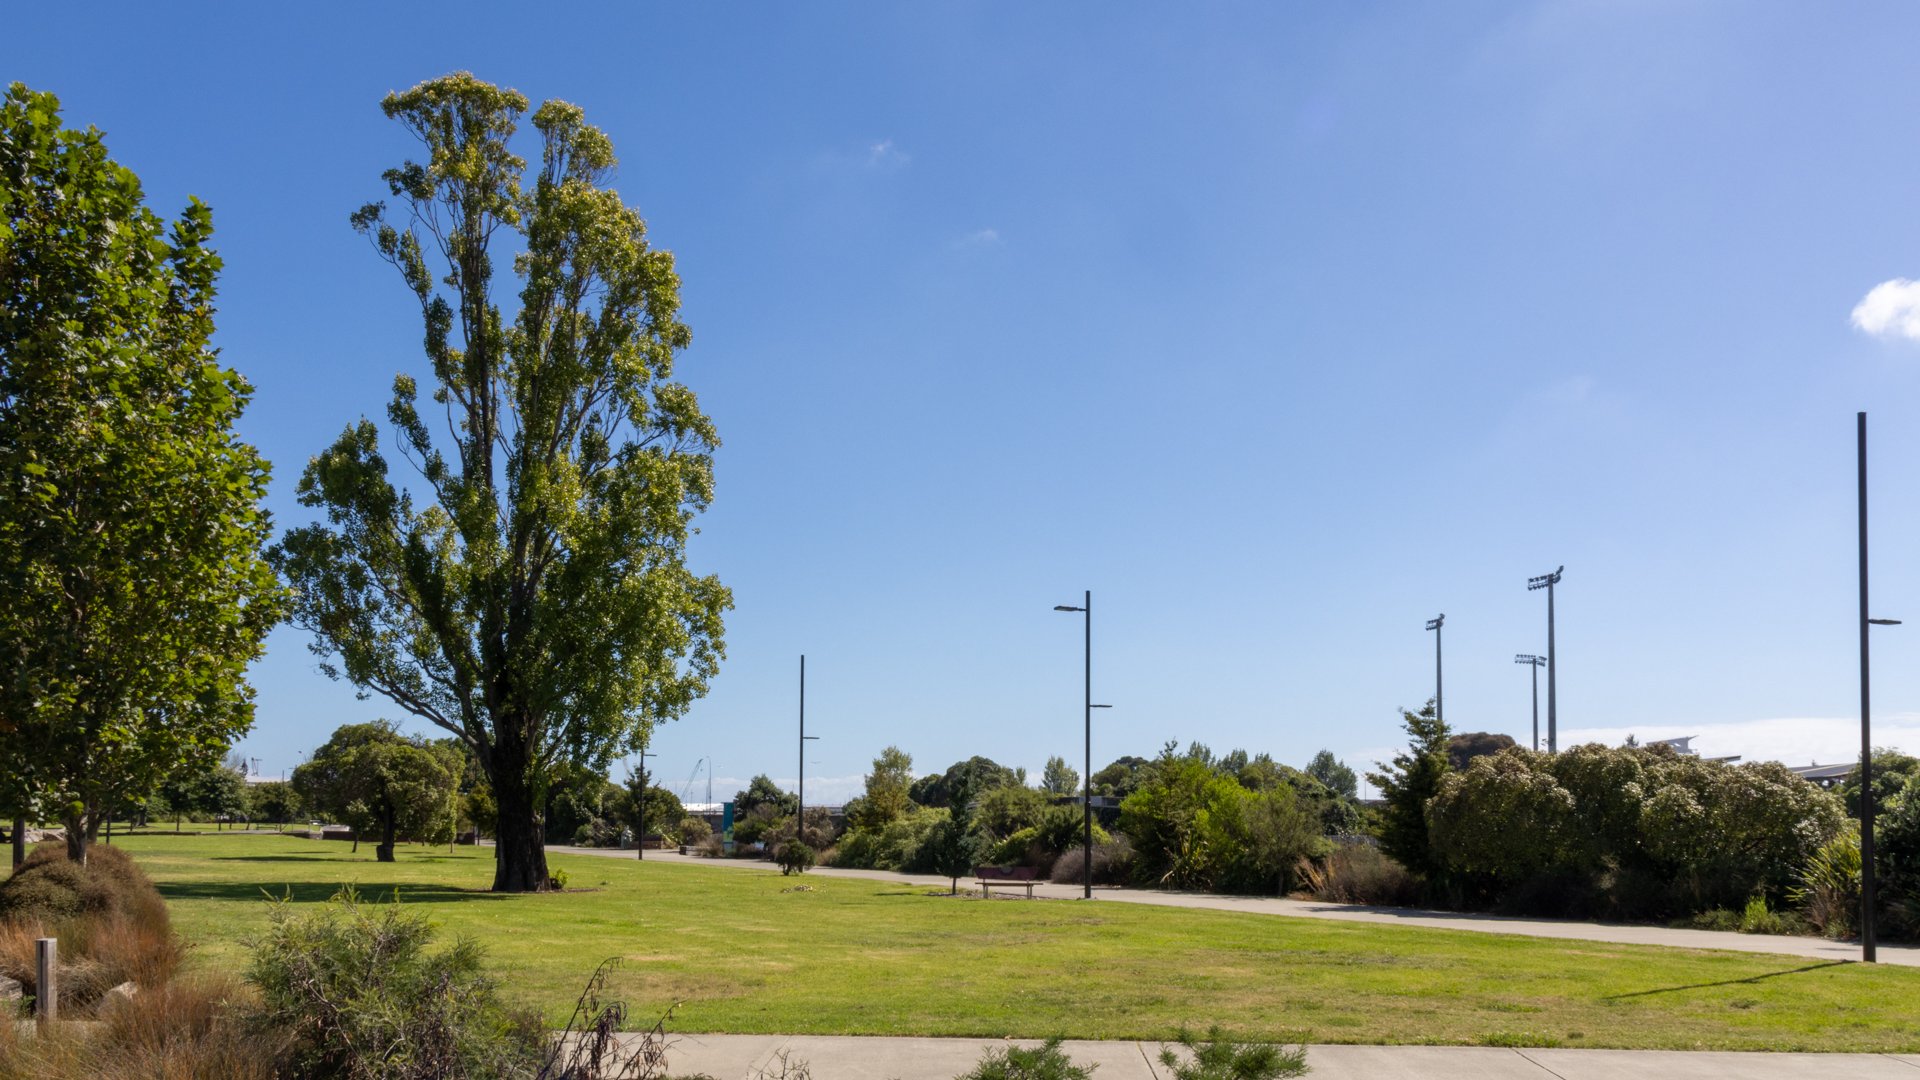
(640, 838)
(800, 815)
(1868, 946)
(1439, 710)
(1086, 792)
(1535, 663)
(1547, 582)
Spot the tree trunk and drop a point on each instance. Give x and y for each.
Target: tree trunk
(19, 841)
(77, 837)
(519, 846)
(384, 852)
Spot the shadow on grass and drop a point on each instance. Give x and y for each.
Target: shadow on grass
(1727, 982)
(314, 892)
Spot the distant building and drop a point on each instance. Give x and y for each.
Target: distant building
(1827, 776)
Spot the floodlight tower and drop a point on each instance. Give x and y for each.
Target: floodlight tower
(1439, 712)
(1535, 663)
(1547, 582)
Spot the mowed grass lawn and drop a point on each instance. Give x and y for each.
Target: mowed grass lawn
(746, 951)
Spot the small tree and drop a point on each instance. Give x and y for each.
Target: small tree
(204, 786)
(1059, 778)
(276, 801)
(1407, 784)
(1334, 773)
(886, 796)
(375, 779)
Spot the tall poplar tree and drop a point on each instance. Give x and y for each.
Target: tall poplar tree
(133, 587)
(530, 593)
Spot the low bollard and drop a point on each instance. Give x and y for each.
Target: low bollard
(46, 986)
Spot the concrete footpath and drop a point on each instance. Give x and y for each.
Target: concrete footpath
(1617, 933)
(826, 1057)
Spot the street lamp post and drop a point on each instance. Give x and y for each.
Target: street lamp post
(1086, 791)
(1868, 944)
(1535, 663)
(800, 816)
(1547, 582)
(640, 838)
(1439, 709)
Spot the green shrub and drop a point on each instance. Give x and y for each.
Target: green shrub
(694, 830)
(1829, 886)
(1359, 874)
(1044, 1062)
(50, 888)
(894, 846)
(1217, 1057)
(355, 987)
(794, 857)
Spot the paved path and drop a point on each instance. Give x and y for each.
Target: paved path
(829, 1057)
(1624, 934)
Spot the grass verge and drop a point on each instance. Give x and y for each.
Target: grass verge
(746, 952)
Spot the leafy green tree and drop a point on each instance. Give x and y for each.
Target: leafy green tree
(1891, 772)
(650, 808)
(131, 534)
(276, 801)
(973, 776)
(203, 786)
(1334, 773)
(1059, 778)
(886, 799)
(1406, 785)
(762, 791)
(1120, 778)
(532, 595)
(1002, 811)
(377, 780)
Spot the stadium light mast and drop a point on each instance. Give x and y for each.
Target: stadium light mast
(1535, 663)
(1439, 710)
(1534, 584)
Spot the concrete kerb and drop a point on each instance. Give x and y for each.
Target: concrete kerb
(829, 1057)
(1614, 933)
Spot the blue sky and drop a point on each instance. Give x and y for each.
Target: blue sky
(1281, 327)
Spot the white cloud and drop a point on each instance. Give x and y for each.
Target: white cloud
(979, 238)
(885, 155)
(1890, 310)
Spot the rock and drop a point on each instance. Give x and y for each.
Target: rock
(10, 989)
(118, 996)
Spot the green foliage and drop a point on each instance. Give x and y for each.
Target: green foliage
(886, 798)
(1828, 886)
(963, 780)
(366, 1000)
(1635, 831)
(1003, 811)
(1044, 1062)
(1896, 849)
(381, 782)
(895, 846)
(1891, 772)
(1334, 773)
(694, 830)
(1119, 779)
(276, 802)
(1193, 828)
(762, 791)
(131, 532)
(794, 857)
(1059, 778)
(953, 848)
(1407, 784)
(52, 887)
(202, 786)
(1217, 1057)
(530, 595)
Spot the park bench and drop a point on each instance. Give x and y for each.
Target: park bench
(1006, 875)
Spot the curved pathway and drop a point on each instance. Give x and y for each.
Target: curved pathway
(1618, 933)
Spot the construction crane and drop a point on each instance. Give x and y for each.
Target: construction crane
(688, 786)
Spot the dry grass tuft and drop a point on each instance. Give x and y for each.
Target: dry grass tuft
(190, 1029)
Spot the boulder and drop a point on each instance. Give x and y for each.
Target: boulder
(10, 989)
(118, 996)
